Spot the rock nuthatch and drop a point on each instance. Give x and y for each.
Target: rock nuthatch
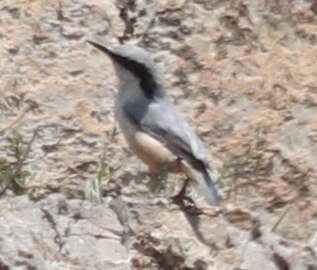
(153, 127)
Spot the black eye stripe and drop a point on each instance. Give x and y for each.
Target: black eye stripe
(149, 85)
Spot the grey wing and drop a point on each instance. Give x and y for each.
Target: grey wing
(163, 121)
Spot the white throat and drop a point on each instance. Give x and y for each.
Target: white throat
(129, 87)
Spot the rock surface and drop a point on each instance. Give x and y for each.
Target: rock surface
(245, 71)
(56, 233)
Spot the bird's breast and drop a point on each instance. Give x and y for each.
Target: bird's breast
(127, 101)
(151, 151)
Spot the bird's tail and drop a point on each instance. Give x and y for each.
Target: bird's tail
(206, 183)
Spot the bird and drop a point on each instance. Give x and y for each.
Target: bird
(154, 128)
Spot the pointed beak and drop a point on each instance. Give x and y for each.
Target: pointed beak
(101, 48)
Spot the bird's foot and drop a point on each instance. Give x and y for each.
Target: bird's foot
(186, 203)
(181, 195)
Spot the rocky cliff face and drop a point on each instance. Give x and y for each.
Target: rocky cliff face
(244, 71)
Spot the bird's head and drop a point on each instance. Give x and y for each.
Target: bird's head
(132, 63)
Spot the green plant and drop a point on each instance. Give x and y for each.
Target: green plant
(92, 187)
(12, 174)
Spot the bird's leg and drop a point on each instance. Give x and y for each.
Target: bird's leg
(159, 175)
(158, 179)
(181, 194)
